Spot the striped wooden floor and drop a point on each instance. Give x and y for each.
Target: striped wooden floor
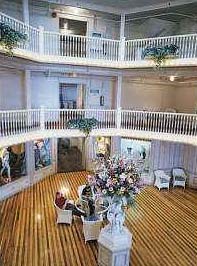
(164, 227)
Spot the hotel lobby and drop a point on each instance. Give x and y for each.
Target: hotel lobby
(102, 95)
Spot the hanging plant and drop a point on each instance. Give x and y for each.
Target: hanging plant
(84, 124)
(160, 53)
(10, 38)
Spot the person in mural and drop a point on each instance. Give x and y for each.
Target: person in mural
(42, 153)
(5, 165)
(37, 155)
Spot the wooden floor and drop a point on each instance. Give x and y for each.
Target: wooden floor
(164, 227)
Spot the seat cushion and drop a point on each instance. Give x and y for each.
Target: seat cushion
(163, 180)
(179, 178)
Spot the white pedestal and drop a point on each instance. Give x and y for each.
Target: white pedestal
(114, 250)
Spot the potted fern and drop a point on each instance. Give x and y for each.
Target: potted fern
(159, 54)
(10, 38)
(84, 124)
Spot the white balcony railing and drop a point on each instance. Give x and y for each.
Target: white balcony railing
(24, 121)
(187, 45)
(54, 44)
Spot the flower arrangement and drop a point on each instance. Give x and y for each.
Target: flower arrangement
(160, 53)
(84, 124)
(117, 178)
(9, 38)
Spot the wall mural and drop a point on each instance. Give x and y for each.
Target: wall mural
(12, 163)
(138, 151)
(103, 146)
(42, 153)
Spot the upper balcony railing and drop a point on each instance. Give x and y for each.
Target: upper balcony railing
(53, 45)
(44, 121)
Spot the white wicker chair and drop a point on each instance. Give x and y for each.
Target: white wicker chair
(162, 180)
(64, 216)
(91, 229)
(179, 177)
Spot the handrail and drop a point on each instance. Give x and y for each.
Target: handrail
(162, 37)
(51, 44)
(16, 122)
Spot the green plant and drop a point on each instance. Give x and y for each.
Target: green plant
(160, 53)
(84, 124)
(9, 38)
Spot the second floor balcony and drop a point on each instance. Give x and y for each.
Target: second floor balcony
(53, 47)
(24, 125)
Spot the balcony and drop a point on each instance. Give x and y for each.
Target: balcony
(25, 125)
(51, 47)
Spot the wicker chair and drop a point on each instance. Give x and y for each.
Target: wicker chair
(91, 229)
(179, 177)
(162, 180)
(64, 216)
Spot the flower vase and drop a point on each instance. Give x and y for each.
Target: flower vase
(116, 216)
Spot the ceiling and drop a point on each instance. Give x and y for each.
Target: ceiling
(122, 6)
(174, 14)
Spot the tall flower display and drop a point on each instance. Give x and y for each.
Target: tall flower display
(117, 178)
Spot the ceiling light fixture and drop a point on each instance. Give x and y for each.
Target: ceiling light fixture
(172, 78)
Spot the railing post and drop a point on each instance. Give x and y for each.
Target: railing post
(119, 117)
(42, 118)
(41, 40)
(122, 49)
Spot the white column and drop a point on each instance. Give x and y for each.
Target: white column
(122, 38)
(26, 11)
(122, 26)
(41, 40)
(118, 91)
(116, 141)
(89, 153)
(30, 161)
(27, 87)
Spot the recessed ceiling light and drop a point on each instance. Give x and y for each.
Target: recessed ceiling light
(172, 78)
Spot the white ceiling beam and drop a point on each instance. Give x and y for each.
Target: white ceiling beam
(89, 6)
(168, 4)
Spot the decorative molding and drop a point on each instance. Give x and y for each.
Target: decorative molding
(145, 135)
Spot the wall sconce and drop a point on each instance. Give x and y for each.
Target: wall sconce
(102, 100)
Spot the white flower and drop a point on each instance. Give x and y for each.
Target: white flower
(123, 176)
(104, 191)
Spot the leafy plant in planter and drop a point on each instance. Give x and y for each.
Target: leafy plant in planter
(9, 38)
(160, 53)
(84, 124)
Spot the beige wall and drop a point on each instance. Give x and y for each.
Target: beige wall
(159, 97)
(143, 96)
(186, 98)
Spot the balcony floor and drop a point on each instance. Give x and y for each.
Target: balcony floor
(163, 226)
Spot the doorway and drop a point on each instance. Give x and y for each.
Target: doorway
(70, 44)
(71, 96)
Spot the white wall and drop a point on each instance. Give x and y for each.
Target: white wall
(40, 15)
(187, 26)
(45, 90)
(166, 155)
(13, 9)
(151, 27)
(142, 96)
(12, 94)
